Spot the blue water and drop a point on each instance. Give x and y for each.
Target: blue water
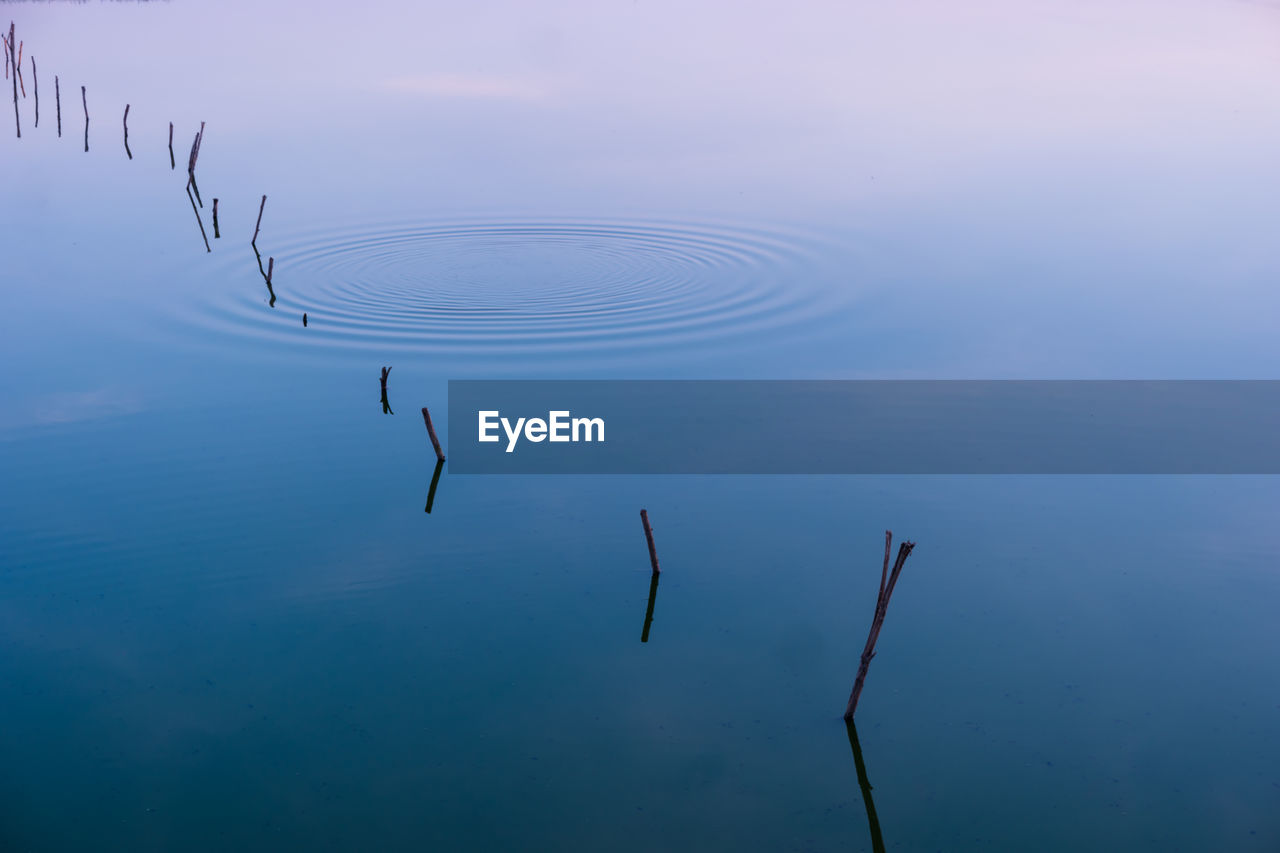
(226, 621)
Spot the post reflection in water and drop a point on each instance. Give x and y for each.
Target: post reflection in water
(198, 219)
(648, 614)
(877, 840)
(265, 277)
(435, 481)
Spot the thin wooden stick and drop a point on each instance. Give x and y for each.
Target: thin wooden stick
(888, 580)
(57, 102)
(84, 101)
(271, 265)
(304, 325)
(126, 132)
(254, 241)
(172, 163)
(18, 67)
(9, 44)
(385, 372)
(5, 41)
(216, 235)
(35, 84)
(648, 536)
(431, 431)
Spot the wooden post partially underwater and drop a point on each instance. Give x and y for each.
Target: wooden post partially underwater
(888, 580)
(648, 535)
(431, 431)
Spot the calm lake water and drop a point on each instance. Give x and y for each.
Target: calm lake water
(226, 622)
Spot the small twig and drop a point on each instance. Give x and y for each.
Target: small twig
(57, 102)
(85, 103)
(648, 535)
(172, 163)
(304, 319)
(254, 241)
(435, 481)
(35, 84)
(271, 265)
(126, 132)
(9, 52)
(888, 580)
(431, 431)
(385, 372)
(216, 235)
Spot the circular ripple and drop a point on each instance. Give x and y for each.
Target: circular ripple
(521, 286)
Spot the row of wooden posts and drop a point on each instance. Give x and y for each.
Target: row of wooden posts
(13, 70)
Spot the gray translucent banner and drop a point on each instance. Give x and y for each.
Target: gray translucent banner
(863, 427)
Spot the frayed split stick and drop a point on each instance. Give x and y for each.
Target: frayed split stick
(888, 580)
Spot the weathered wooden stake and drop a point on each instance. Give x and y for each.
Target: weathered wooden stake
(57, 103)
(431, 431)
(216, 235)
(888, 580)
(9, 44)
(648, 535)
(85, 103)
(126, 132)
(254, 241)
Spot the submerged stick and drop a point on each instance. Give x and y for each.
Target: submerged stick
(431, 431)
(648, 535)
(435, 481)
(877, 839)
(57, 103)
(9, 44)
(35, 84)
(216, 235)
(386, 404)
(254, 241)
(172, 163)
(126, 132)
(85, 103)
(888, 580)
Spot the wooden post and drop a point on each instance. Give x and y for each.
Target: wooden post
(17, 121)
(254, 241)
(431, 431)
(57, 102)
(648, 535)
(126, 132)
(888, 580)
(216, 235)
(84, 101)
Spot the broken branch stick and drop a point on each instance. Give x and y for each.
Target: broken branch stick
(126, 132)
(888, 580)
(431, 431)
(254, 241)
(648, 536)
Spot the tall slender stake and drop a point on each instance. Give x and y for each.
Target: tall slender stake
(172, 163)
(254, 241)
(17, 121)
(431, 431)
(888, 580)
(84, 101)
(57, 103)
(35, 84)
(126, 132)
(648, 536)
